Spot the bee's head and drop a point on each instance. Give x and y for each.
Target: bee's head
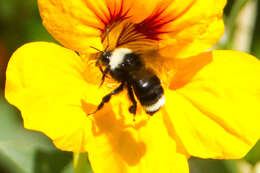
(105, 57)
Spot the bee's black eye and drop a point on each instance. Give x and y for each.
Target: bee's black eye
(105, 57)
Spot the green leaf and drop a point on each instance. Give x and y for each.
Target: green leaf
(256, 36)
(254, 155)
(24, 151)
(212, 166)
(68, 168)
(81, 163)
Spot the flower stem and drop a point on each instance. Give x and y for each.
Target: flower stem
(245, 27)
(81, 163)
(232, 21)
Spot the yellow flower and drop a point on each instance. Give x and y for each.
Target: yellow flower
(212, 99)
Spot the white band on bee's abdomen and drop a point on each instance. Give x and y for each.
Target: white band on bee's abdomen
(156, 106)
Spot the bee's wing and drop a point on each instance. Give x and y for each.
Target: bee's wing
(164, 67)
(175, 72)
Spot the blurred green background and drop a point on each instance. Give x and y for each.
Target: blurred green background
(23, 151)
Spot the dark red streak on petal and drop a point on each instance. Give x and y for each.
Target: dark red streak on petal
(128, 34)
(116, 16)
(92, 8)
(151, 27)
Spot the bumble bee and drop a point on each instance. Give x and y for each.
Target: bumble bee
(127, 67)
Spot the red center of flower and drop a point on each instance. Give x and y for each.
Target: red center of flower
(149, 29)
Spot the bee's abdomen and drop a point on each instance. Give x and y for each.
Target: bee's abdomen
(148, 90)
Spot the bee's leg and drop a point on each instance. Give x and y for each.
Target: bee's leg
(101, 70)
(104, 75)
(99, 66)
(132, 109)
(106, 98)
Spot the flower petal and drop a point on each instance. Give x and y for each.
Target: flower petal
(45, 82)
(215, 104)
(143, 146)
(79, 24)
(188, 27)
(194, 29)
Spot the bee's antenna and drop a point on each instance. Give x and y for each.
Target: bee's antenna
(107, 34)
(96, 49)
